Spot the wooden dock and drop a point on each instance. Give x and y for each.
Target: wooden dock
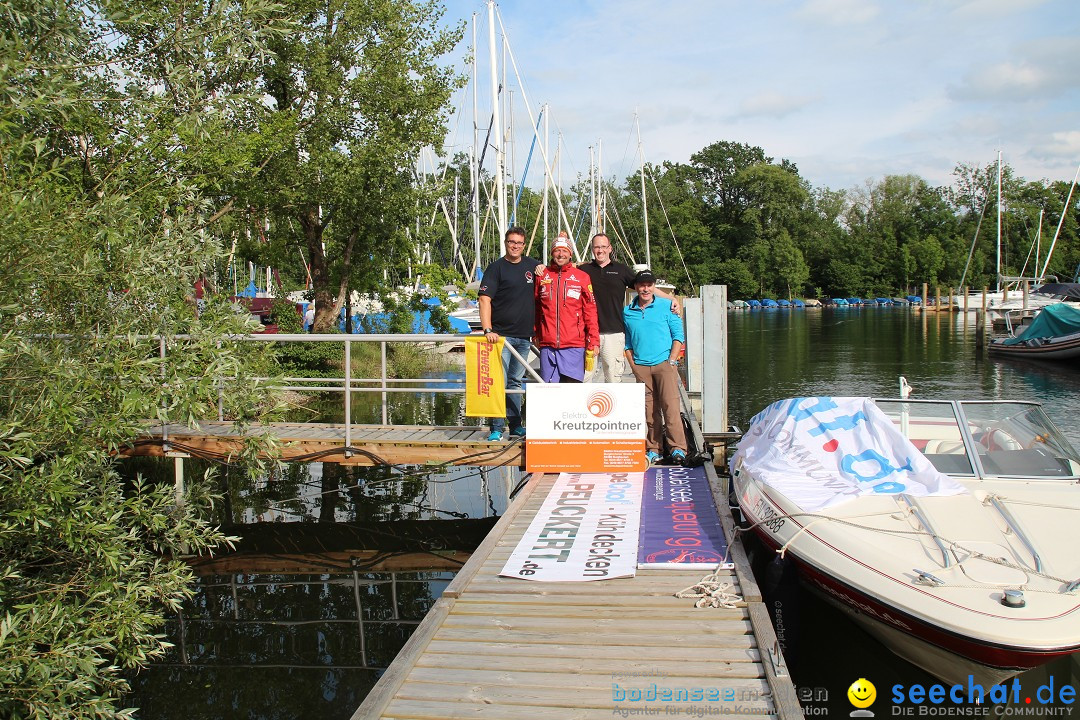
(506, 648)
(325, 442)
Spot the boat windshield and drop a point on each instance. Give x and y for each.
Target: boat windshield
(985, 439)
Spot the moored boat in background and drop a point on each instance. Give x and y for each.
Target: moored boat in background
(1053, 334)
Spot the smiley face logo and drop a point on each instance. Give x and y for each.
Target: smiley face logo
(862, 693)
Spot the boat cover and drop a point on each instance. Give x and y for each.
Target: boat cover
(1062, 290)
(1052, 321)
(823, 451)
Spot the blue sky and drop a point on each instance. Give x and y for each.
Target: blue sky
(849, 90)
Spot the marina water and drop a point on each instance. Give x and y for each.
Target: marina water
(266, 645)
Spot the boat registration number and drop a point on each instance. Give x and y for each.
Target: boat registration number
(761, 508)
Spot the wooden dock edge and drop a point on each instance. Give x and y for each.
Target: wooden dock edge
(388, 685)
(785, 697)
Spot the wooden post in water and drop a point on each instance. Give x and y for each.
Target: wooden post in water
(924, 297)
(984, 299)
(980, 331)
(937, 297)
(695, 353)
(714, 390)
(965, 300)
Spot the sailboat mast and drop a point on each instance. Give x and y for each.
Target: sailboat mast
(592, 191)
(1061, 221)
(644, 202)
(500, 160)
(474, 171)
(1038, 248)
(997, 273)
(547, 179)
(601, 208)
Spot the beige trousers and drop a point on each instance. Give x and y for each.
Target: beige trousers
(612, 360)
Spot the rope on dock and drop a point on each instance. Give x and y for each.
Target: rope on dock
(711, 592)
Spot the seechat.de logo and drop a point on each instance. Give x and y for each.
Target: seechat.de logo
(600, 403)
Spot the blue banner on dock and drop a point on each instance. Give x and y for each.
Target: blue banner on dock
(680, 527)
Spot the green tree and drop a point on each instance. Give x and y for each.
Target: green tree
(105, 234)
(355, 92)
(740, 281)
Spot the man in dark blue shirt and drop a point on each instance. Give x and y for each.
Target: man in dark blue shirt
(507, 309)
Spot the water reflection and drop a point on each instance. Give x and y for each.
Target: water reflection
(284, 645)
(335, 568)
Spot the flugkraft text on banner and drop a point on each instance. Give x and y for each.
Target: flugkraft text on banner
(587, 529)
(593, 427)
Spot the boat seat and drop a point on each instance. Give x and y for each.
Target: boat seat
(944, 447)
(1000, 440)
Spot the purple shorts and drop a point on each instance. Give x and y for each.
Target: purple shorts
(562, 364)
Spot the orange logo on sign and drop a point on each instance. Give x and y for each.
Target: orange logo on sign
(601, 403)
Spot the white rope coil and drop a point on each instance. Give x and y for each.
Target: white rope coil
(711, 592)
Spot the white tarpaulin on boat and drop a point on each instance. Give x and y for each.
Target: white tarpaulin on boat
(822, 451)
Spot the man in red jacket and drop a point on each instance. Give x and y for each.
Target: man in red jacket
(565, 317)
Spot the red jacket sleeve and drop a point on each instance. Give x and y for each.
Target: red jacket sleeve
(537, 313)
(592, 325)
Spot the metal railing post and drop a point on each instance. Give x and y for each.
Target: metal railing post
(382, 377)
(348, 395)
(164, 425)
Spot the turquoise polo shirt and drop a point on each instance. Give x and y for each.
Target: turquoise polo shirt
(650, 330)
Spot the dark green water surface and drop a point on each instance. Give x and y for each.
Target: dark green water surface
(775, 354)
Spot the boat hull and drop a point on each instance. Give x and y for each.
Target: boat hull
(1064, 348)
(946, 654)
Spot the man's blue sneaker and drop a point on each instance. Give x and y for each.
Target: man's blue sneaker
(518, 432)
(652, 457)
(495, 436)
(678, 457)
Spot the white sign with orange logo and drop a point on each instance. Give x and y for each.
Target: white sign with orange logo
(585, 427)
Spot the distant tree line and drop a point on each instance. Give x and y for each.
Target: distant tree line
(735, 216)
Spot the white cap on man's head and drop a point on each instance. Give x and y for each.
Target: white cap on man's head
(561, 242)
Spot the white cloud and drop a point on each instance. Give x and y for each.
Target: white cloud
(840, 12)
(1004, 82)
(1061, 145)
(847, 89)
(772, 104)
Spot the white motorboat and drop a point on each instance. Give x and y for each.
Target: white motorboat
(947, 529)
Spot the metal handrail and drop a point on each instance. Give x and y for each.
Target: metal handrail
(1014, 524)
(348, 384)
(917, 511)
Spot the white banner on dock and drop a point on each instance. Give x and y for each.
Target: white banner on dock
(587, 529)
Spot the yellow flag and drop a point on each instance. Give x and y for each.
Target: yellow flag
(485, 385)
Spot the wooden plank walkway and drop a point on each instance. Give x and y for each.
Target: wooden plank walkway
(506, 648)
(325, 442)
